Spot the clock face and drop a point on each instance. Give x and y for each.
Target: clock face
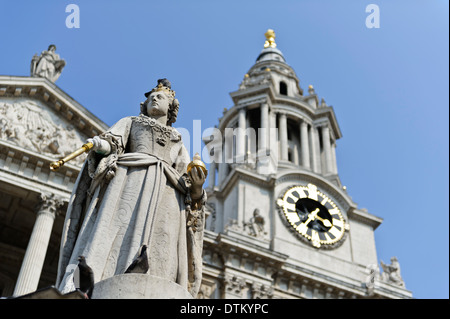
(313, 216)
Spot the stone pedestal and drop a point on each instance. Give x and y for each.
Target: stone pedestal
(138, 286)
(52, 293)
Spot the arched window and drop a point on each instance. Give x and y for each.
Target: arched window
(283, 88)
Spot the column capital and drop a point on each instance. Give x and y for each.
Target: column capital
(263, 100)
(322, 125)
(49, 203)
(265, 104)
(241, 107)
(306, 121)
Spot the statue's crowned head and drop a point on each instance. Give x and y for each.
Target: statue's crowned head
(164, 86)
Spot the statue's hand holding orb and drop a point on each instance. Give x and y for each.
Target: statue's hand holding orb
(197, 173)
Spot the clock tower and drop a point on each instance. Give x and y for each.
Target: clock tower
(281, 224)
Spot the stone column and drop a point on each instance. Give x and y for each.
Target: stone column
(273, 135)
(33, 261)
(263, 132)
(327, 149)
(333, 155)
(222, 165)
(283, 137)
(315, 149)
(212, 174)
(304, 141)
(240, 149)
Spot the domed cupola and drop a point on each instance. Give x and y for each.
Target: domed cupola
(271, 68)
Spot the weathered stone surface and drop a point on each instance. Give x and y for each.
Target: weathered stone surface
(138, 286)
(52, 293)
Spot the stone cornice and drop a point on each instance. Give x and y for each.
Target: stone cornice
(231, 113)
(32, 171)
(292, 113)
(246, 175)
(329, 113)
(265, 88)
(318, 277)
(243, 98)
(228, 244)
(296, 102)
(385, 290)
(364, 217)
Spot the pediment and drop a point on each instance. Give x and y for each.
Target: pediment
(38, 116)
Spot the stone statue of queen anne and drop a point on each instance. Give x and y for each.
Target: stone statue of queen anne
(134, 191)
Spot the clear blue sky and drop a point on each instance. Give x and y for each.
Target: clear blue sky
(387, 85)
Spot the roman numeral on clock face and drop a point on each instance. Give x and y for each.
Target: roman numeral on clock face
(312, 191)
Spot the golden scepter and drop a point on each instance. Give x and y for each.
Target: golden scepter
(54, 166)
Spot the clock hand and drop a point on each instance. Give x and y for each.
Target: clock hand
(325, 222)
(312, 216)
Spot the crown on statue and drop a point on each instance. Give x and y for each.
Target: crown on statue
(165, 86)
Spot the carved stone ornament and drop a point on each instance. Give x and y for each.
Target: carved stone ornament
(260, 291)
(49, 203)
(33, 127)
(255, 226)
(48, 65)
(259, 78)
(391, 273)
(234, 284)
(233, 225)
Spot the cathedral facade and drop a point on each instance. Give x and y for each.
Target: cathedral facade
(280, 224)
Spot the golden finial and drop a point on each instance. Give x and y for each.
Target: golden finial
(270, 39)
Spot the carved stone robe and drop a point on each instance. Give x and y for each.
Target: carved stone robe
(49, 65)
(139, 194)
